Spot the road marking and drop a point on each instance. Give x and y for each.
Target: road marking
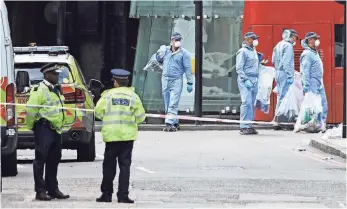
(20, 166)
(25, 157)
(145, 170)
(341, 204)
(99, 156)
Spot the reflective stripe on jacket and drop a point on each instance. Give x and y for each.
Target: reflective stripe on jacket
(42, 95)
(120, 110)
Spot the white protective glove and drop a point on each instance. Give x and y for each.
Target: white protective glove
(161, 51)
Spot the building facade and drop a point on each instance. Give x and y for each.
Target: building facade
(124, 34)
(222, 26)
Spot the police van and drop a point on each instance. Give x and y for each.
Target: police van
(79, 130)
(8, 120)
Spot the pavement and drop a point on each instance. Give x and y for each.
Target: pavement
(193, 127)
(331, 146)
(206, 169)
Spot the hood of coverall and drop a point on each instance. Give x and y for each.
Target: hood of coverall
(286, 36)
(305, 46)
(244, 44)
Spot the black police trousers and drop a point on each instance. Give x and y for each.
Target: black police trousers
(47, 155)
(122, 151)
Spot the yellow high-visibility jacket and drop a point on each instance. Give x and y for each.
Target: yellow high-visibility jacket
(120, 110)
(43, 95)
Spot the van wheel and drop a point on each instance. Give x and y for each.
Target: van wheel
(9, 165)
(86, 152)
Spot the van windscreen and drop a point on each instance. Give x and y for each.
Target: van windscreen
(36, 76)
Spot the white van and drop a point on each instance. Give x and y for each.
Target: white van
(8, 119)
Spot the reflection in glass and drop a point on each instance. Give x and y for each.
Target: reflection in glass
(339, 45)
(221, 42)
(154, 32)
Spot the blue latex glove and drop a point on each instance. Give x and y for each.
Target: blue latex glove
(189, 87)
(248, 84)
(290, 81)
(260, 56)
(306, 88)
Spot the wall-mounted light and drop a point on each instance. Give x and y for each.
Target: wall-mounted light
(183, 16)
(156, 16)
(216, 16)
(205, 16)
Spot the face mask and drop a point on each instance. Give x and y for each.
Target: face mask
(255, 42)
(316, 43)
(177, 44)
(294, 43)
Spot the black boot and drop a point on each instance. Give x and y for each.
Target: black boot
(125, 199)
(43, 196)
(58, 195)
(245, 131)
(253, 131)
(169, 128)
(104, 198)
(178, 127)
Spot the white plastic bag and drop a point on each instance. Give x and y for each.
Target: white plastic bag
(311, 108)
(288, 110)
(153, 65)
(299, 89)
(266, 77)
(335, 133)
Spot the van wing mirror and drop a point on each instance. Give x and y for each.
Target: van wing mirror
(95, 85)
(22, 81)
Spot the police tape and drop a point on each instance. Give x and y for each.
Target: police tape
(162, 116)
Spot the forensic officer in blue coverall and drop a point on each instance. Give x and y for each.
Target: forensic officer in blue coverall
(176, 62)
(311, 68)
(283, 60)
(247, 68)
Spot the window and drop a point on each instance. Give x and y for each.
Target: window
(339, 45)
(221, 39)
(220, 45)
(36, 76)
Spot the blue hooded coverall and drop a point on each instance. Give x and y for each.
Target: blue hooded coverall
(247, 68)
(175, 64)
(311, 68)
(283, 60)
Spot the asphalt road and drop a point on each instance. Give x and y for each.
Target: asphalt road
(200, 169)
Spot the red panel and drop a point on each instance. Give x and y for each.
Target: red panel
(291, 12)
(3, 84)
(318, 16)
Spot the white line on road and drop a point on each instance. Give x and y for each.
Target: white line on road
(145, 170)
(20, 166)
